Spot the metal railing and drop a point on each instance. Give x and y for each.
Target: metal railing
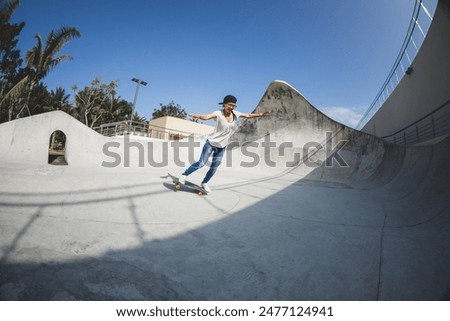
(418, 27)
(432, 125)
(123, 128)
(143, 129)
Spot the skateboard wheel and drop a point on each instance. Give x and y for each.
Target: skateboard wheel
(177, 187)
(200, 193)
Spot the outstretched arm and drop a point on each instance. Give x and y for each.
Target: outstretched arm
(266, 113)
(203, 117)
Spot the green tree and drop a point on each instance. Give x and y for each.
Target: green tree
(59, 100)
(170, 109)
(119, 111)
(93, 102)
(138, 118)
(10, 60)
(97, 104)
(41, 59)
(40, 99)
(43, 101)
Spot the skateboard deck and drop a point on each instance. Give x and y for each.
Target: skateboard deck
(194, 187)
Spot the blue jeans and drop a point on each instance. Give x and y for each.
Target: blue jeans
(208, 149)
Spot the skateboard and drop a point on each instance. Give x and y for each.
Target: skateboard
(196, 188)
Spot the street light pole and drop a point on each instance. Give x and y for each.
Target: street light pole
(139, 82)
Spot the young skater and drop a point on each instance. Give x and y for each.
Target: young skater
(226, 124)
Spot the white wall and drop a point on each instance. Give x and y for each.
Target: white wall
(426, 88)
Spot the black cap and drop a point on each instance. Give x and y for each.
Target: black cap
(228, 99)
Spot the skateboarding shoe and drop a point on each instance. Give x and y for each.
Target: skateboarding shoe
(206, 187)
(182, 179)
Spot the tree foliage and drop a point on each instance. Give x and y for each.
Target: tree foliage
(59, 100)
(97, 104)
(41, 59)
(23, 92)
(42, 100)
(170, 109)
(10, 60)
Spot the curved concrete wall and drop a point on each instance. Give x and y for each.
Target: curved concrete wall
(295, 129)
(27, 141)
(295, 136)
(426, 88)
(303, 138)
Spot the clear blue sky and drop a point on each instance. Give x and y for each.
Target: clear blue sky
(337, 53)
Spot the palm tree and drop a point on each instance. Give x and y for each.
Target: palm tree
(41, 60)
(9, 55)
(59, 100)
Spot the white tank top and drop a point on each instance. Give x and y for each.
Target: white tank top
(222, 132)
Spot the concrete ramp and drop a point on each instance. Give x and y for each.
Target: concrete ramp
(302, 208)
(27, 140)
